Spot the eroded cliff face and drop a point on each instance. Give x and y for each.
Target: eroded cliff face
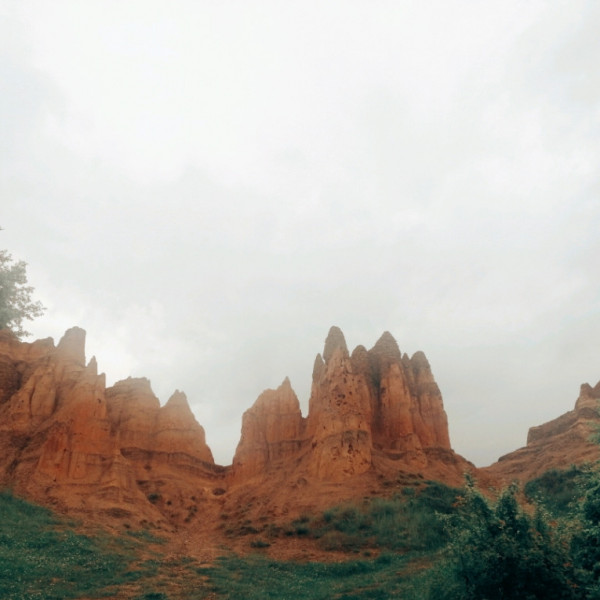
(566, 440)
(376, 420)
(66, 439)
(273, 433)
(365, 409)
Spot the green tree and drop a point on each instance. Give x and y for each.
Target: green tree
(586, 539)
(15, 295)
(499, 551)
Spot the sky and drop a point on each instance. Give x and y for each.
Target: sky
(207, 186)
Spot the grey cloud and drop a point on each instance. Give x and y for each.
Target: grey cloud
(360, 177)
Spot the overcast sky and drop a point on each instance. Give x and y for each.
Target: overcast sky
(207, 186)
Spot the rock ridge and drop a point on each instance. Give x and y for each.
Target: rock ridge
(568, 439)
(69, 441)
(371, 400)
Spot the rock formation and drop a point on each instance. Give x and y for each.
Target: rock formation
(566, 440)
(273, 432)
(364, 408)
(66, 439)
(375, 419)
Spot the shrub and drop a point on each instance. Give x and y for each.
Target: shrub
(557, 489)
(498, 551)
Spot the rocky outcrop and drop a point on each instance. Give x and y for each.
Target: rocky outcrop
(364, 408)
(375, 420)
(566, 440)
(339, 417)
(273, 433)
(408, 407)
(68, 440)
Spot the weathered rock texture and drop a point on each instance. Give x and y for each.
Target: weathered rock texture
(67, 440)
(375, 421)
(365, 410)
(272, 433)
(569, 439)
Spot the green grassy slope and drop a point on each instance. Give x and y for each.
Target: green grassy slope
(395, 547)
(391, 540)
(44, 557)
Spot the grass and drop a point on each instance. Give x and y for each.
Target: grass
(260, 578)
(557, 490)
(404, 532)
(44, 557)
(405, 522)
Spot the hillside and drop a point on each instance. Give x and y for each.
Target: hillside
(376, 424)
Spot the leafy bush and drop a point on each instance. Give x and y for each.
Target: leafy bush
(15, 295)
(408, 521)
(499, 551)
(585, 544)
(557, 489)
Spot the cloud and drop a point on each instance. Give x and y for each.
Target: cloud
(206, 188)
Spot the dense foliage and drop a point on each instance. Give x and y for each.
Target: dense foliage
(585, 544)
(498, 550)
(16, 304)
(407, 521)
(557, 490)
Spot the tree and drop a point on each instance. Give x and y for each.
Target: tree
(585, 545)
(499, 552)
(15, 295)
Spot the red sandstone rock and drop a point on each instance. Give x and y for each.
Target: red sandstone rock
(64, 438)
(373, 415)
(375, 418)
(339, 417)
(273, 430)
(177, 431)
(369, 401)
(557, 444)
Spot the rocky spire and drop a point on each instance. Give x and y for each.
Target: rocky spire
(335, 339)
(72, 345)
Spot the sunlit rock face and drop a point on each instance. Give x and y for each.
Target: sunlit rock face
(567, 440)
